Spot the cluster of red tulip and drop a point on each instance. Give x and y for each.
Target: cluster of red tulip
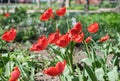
(62, 40)
(75, 34)
(49, 13)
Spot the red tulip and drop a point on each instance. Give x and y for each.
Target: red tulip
(41, 44)
(51, 12)
(78, 37)
(76, 29)
(15, 74)
(93, 28)
(105, 38)
(63, 41)
(6, 14)
(61, 11)
(54, 37)
(9, 35)
(47, 14)
(88, 39)
(55, 70)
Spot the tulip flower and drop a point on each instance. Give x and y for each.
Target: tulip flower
(54, 37)
(93, 28)
(103, 39)
(15, 74)
(9, 35)
(6, 15)
(78, 37)
(64, 40)
(61, 11)
(41, 44)
(47, 14)
(88, 39)
(76, 29)
(55, 70)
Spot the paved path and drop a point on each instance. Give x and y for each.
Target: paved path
(76, 11)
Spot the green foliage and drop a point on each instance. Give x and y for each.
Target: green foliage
(81, 7)
(95, 65)
(107, 21)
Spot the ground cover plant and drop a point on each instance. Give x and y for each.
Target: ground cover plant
(60, 37)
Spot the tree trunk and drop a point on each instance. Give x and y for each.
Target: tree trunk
(9, 1)
(68, 3)
(86, 6)
(38, 3)
(62, 3)
(49, 2)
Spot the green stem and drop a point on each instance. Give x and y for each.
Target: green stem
(2, 44)
(69, 53)
(87, 49)
(50, 54)
(60, 78)
(3, 60)
(9, 62)
(3, 78)
(68, 25)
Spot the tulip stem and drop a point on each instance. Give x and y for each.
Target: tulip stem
(68, 25)
(3, 78)
(60, 78)
(2, 60)
(70, 56)
(9, 62)
(87, 49)
(50, 54)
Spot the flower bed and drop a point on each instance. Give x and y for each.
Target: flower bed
(61, 36)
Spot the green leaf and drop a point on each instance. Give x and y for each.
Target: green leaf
(113, 75)
(76, 78)
(0, 70)
(90, 73)
(79, 73)
(87, 61)
(99, 74)
(9, 68)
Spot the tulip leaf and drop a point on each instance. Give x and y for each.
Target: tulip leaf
(87, 61)
(99, 74)
(90, 73)
(113, 75)
(0, 70)
(79, 73)
(75, 78)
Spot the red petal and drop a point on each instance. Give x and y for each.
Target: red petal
(105, 38)
(78, 38)
(88, 39)
(63, 41)
(57, 70)
(54, 37)
(41, 44)
(51, 71)
(61, 66)
(9, 35)
(93, 28)
(15, 74)
(61, 11)
(76, 29)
